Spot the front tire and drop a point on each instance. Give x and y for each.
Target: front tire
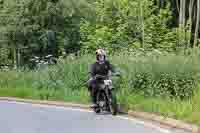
(101, 102)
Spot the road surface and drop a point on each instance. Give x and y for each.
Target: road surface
(28, 118)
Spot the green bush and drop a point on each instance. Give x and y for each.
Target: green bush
(164, 75)
(173, 85)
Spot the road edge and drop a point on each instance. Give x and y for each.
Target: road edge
(172, 123)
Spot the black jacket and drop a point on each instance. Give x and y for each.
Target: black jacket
(101, 69)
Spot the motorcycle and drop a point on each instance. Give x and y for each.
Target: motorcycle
(106, 100)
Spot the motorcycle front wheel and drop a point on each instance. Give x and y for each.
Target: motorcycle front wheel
(101, 102)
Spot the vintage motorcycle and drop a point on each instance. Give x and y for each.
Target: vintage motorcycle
(106, 100)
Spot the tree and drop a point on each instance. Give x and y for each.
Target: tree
(181, 30)
(189, 23)
(197, 23)
(40, 27)
(10, 14)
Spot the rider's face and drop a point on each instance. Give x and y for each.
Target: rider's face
(101, 58)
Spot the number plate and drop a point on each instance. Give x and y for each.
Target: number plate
(108, 82)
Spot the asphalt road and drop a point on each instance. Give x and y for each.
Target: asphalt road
(27, 118)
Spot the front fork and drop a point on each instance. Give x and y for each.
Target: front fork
(109, 95)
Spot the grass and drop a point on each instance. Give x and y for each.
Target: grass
(81, 96)
(188, 110)
(66, 82)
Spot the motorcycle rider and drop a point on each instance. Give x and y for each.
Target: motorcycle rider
(101, 67)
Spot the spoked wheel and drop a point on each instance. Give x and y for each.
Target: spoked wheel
(101, 102)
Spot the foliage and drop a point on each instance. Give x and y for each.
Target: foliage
(180, 86)
(169, 75)
(115, 26)
(58, 27)
(160, 75)
(41, 27)
(118, 25)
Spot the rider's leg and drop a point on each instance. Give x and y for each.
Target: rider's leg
(92, 90)
(94, 96)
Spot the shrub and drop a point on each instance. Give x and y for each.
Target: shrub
(173, 85)
(169, 75)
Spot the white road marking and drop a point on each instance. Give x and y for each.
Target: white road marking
(146, 124)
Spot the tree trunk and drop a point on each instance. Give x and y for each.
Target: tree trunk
(177, 5)
(197, 23)
(18, 57)
(142, 23)
(190, 22)
(183, 13)
(14, 58)
(181, 33)
(180, 24)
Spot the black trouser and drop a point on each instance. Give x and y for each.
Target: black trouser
(92, 87)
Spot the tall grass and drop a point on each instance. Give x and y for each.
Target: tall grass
(67, 81)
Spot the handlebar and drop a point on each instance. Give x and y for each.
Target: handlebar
(104, 77)
(100, 76)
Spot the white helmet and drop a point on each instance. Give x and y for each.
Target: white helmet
(100, 52)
